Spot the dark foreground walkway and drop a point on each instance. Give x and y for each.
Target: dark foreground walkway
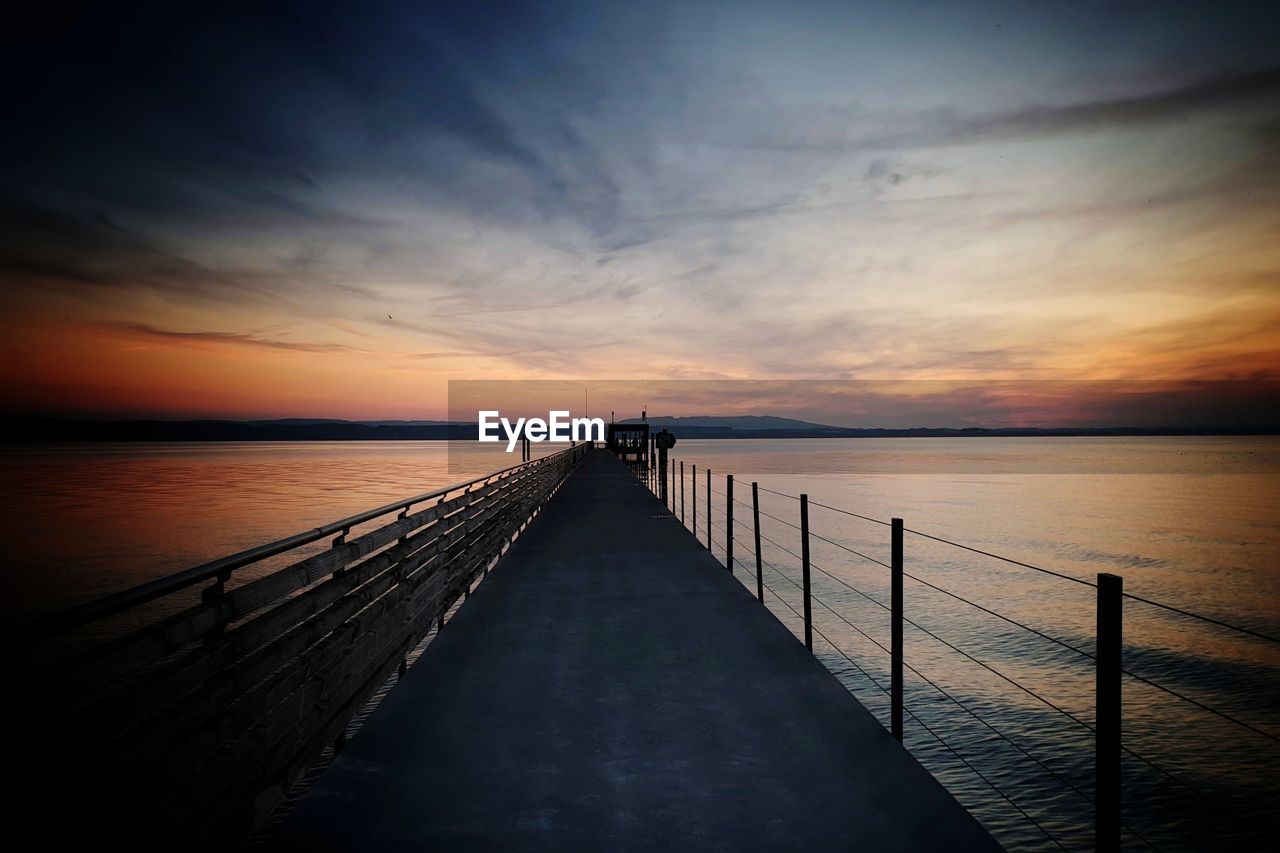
(611, 687)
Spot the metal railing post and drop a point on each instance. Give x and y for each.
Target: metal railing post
(728, 523)
(695, 502)
(804, 560)
(1108, 705)
(895, 629)
(755, 513)
(709, 510)
(682, 491)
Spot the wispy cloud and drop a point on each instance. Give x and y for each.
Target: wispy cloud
(201, 337)
(853, 129)
(802, 190)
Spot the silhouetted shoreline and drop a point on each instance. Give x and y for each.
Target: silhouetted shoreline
(37, 430)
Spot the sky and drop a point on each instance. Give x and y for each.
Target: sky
(323, 210)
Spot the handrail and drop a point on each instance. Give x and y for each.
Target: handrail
(1105, 726)
(279, 664)
(1010, 560)
(99, 608)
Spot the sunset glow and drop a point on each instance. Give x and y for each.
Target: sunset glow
(356, 211)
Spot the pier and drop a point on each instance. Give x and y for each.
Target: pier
(611, 687)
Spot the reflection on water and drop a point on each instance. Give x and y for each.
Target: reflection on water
(1191, 522)
(82, 521)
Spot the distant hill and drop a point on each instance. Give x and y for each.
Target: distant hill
(32, 430)
(744, 423)
(288, 429)
(757, 426)
(314, 421)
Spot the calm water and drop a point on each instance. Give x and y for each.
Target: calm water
(1190, 522)
(86, 520)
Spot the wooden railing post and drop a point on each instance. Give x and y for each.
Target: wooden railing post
(695, 502)
(1108, 705)
(728, 523)
(804, 560)
(755, 513)
(895, 629)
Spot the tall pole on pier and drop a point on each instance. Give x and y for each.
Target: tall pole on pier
(682, 491)
(895, 628)
(804, 571)
(728, 523)
(1107, 722)
(755, 515)
(661, 473)
(708, 509)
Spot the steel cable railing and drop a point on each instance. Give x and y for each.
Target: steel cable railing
(722, 500)
(1057, 776)
(941, 741)
(1132, 597)
(1201, 617)
(1128, 750)
(1067, 783)
(933, 684)
(1149, 682)
(1170, 608)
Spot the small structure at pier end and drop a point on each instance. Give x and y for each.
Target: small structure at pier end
(629, 442)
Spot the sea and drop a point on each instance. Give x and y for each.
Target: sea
(1005, 538)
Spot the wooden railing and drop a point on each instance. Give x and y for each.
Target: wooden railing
(196, 724)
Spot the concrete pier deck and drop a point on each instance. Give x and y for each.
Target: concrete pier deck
(611, 687)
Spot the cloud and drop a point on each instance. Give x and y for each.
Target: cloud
(943, 126)
(144, 331)
(1214, 93)
(536, 188)
(88, 254)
